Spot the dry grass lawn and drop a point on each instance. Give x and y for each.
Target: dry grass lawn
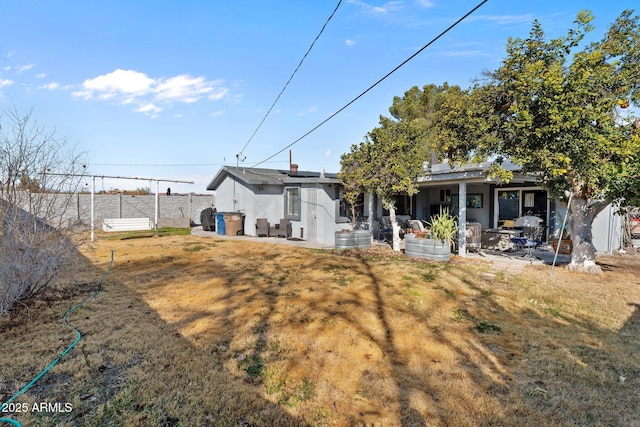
(195, 331)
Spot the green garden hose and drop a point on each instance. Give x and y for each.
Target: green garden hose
(64, 353)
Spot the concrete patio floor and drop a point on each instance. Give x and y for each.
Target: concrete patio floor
(198, 231)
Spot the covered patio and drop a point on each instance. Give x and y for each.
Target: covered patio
(491, 215)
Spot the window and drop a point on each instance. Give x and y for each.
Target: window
(508, 205)
(445, 195)
(403, 204)
(292, 203)
(345, 207)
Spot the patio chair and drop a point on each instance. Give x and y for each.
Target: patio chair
(526, 244)
(385, 230)
(283, 229)
(532, 234)
(262, 227)
(532, 230)
(416, 225)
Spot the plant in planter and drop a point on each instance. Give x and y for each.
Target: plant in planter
(444, 227)
(349, 239)
(422, 234)
(434, 243)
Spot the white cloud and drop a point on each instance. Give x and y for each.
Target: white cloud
(54, 86)
(391, 6)
(115, 83)
(25, 67)
(350, 42)
(388, 7)
(183, 88)
(504, 19)
(311, 109)
(463, 53)
(41, 75)
(218, 113)
(218, 93)
(133, 87)
(148, 108)
(327, 153)
(50, 86)
(425, 3)
(5, 83)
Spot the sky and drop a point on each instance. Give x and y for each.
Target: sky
(174, 90)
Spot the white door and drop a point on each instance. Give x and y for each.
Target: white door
(311, 232)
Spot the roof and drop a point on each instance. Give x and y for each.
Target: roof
(474, 172)
(258, 176)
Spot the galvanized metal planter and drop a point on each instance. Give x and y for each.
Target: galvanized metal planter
(436, 250)
(353, 239)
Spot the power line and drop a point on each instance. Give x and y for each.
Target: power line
(376, 83)
(169, 164)
(290, 78)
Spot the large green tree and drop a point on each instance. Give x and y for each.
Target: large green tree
(421, 106)
(391, 157)
(387, 162)
(559, 108)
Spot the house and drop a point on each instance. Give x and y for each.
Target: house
(495, 205)
(311, 200)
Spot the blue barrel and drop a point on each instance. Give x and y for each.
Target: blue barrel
(220, 223)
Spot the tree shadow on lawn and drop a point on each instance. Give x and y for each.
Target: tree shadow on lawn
(340, 331)
(440, 348)
(566, 353)
(130, 368)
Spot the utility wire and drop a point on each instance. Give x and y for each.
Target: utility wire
(291, 78)
(465, 16)
(169, 164)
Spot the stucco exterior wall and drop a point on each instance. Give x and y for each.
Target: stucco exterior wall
(318, 207)
(265, 202)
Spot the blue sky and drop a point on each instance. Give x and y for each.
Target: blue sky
(168, 89)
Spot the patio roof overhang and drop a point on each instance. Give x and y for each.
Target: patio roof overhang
(443, 174)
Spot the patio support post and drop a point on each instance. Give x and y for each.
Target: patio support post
(93, 208)
(462, 219)
(156, 214)
(370, 198)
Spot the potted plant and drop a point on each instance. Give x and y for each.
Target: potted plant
(350, 239)
(564, 245)
(436, 242)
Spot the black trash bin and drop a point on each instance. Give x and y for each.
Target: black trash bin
(208, 219)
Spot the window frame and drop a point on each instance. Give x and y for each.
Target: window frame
(297, 203)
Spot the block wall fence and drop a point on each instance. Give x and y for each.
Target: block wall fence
(174, 211)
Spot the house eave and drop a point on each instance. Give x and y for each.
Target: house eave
(253, 176)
